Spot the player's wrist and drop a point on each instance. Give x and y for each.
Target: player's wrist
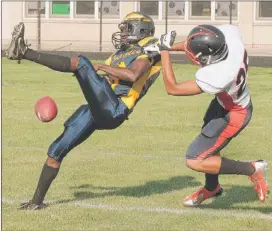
(180, 46)
(164, 52)
(97, 67)
(163, 48)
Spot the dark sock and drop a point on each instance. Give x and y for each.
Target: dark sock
(236, 167)
(47, 176)
(211, 181)
(55, 62)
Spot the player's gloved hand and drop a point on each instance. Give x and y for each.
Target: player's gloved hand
(167, 40)
(165, 43)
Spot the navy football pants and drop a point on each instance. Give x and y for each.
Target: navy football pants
(103, 111)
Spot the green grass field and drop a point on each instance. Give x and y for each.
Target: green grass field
(131, 178)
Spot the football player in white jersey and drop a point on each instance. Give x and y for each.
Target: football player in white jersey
(223, 62)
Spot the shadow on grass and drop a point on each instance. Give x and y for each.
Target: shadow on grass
(237, 194)
(148, 189)
(233, 194)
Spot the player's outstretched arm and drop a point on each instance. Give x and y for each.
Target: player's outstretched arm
(185, 88)
(180, 46)
(132, 74)
(166, 44)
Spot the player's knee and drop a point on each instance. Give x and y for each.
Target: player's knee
(58, 149)
(78, 127)
(194, 164)
(52, 162)
(84, 64)
(191, 157)
(85, 73)
(61, 146)
(189, 163)
(55, 153)
(79, 116)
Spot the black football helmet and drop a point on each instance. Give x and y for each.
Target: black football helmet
(135, 27)
(206, 45)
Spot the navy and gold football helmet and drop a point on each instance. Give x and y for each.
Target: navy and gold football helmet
(134, 27)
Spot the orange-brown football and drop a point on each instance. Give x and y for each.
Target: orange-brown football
(46, 109)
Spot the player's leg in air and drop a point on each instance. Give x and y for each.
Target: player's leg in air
(103, 111)
(223, 73)
(106, 108)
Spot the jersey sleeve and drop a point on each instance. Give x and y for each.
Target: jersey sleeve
(208, 82)
(143, 56)
(108, 60)
(146, 57)
(206, 87)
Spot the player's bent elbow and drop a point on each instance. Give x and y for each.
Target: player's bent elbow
(134, 77)
(172, 92)
(177, 92)
(169, 90)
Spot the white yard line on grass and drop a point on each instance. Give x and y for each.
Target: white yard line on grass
(148, 156)
(193, 211)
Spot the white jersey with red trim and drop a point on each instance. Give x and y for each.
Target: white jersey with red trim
(227, 79)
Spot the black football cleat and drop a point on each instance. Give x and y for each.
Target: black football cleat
(30, 206)
(17, 47)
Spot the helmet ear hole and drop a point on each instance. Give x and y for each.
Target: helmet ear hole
(143, 31)
(129, 28)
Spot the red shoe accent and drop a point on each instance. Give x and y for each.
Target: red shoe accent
(199, 196)
(258, 179)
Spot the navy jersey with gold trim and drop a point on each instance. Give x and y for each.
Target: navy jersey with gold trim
(130, 92)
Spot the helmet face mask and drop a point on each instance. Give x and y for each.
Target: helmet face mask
(125, 36)
(206, 45)
(133, 28)
(119, 39)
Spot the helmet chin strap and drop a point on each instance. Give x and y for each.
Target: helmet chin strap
(206, 63)
(209, 59)
(200, 53)
(223, 56)
(132, 37)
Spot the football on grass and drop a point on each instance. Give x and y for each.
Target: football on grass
(46, 109)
